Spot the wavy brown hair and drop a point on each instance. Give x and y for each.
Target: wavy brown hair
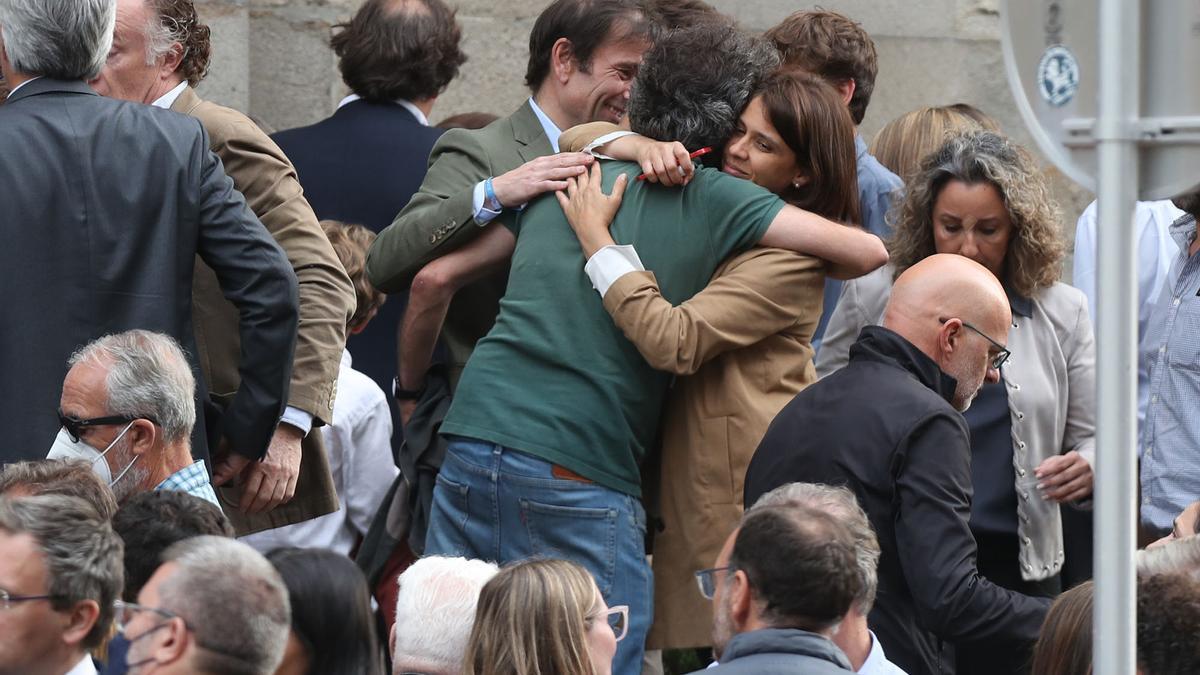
(1036, 247)
(809, 116)
(1064, 646)
(178, 22)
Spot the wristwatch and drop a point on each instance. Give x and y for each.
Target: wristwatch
(402, 394)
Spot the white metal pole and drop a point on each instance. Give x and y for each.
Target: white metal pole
(1116, 340)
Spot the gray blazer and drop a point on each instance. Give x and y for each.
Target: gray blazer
(104, 206)
(1051, 380)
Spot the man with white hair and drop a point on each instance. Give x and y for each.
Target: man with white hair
(852, 634)
(215, 606)
(106, 206)
(127, 408)
(60, 571)
(435, 611)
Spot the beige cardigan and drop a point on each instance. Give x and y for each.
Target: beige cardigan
(744, 344)
(1051, 379)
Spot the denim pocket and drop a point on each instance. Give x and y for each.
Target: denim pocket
(447, 533)
(585, 535)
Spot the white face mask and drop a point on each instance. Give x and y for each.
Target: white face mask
(65, 447)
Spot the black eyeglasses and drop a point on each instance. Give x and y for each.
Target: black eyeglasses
(1000, 357)
(75, 426)
(7, 600)
(707, 581)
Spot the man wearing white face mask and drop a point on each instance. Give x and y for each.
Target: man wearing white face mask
(127, 407)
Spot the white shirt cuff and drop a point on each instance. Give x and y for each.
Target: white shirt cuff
(483, 215)
(606, 138)
(298, 418)
(611, 263)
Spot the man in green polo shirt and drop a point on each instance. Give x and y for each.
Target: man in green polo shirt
(555, 408)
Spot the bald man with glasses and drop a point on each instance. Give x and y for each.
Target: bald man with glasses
(889, 427)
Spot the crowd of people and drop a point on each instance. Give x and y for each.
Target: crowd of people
(674, 362)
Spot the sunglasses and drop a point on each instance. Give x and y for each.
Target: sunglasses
(75, 426)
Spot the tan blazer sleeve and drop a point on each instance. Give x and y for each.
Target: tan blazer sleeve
(755, 295)
(266, 177)
(577, 137)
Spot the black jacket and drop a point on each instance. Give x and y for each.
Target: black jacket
(780, 651)
(362, 165)
(883, 427)
(104, 205)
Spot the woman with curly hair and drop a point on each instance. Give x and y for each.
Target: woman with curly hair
(1032, 433)
(543, 617)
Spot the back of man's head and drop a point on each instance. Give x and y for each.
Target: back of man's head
(351, 242)
(690, 89)
(1189, 202)
(1168, 621)
(150, 522)
(399, 49)
(233, 601)
(435, 611)
(832, 46)
(800, 565)
(148, 376)
(81, 553)
(840, 504)
(679, 14)
(62, 39)
(585, 24)
(70, 477)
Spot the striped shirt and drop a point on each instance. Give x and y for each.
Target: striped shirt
(1170, 362)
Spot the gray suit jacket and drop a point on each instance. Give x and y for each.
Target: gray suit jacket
(104, 206)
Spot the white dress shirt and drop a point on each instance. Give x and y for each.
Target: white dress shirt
(359, 446)
(407, 105)
(14, 89)
(168, 99)
(877, 663)
(1156, 251)
(84, 667)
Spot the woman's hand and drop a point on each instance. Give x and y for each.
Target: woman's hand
(665, 163)
(1065, 478)
(589, 210)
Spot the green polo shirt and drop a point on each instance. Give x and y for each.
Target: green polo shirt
(555, 378)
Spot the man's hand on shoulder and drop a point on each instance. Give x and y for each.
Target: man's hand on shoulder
(539, 176)
(269, 482)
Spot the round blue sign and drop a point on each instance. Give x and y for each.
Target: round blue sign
(1058, 76)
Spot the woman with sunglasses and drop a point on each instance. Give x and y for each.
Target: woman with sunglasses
(1032, 433)
(544, 617)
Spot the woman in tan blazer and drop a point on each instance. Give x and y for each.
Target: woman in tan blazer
(742, 346)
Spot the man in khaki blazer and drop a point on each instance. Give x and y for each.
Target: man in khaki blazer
(477, 176)
(160, 51)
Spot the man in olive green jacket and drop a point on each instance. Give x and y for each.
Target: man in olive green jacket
(156, 59)
(583, 57)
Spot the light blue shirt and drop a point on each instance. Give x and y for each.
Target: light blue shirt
(482, 213)
(1169, 363)
(1156, 251)
(193, 480)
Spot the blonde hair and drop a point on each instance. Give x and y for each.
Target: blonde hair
(1035, 249)
(351, 242)
(902, 143)
(532, 620)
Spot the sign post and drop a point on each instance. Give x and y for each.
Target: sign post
(1110, 92)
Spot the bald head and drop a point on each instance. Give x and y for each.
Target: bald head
(945, 305)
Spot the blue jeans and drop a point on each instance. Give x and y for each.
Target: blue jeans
(495, 503)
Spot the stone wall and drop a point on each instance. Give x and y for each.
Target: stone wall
(271, 59)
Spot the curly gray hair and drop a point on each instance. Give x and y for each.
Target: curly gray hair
(693, 83)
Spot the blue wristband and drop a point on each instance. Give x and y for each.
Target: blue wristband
(489, 196)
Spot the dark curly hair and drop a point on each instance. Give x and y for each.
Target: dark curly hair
(178, 23)
(832, 46)
(394, 49)
(690, 90)
(1168, 621)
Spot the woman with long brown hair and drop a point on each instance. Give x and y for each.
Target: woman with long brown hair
(743, 343)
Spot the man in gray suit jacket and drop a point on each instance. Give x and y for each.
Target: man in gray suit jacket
(106, 205)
